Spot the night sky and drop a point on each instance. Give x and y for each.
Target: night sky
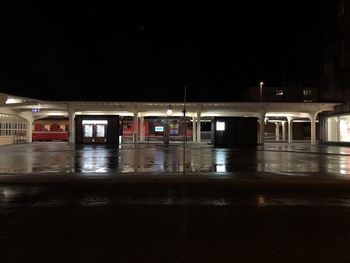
(67, 51)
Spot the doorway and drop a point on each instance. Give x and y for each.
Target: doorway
(94, 131)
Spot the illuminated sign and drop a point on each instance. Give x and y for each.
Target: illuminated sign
(95, 122)
(35, 110)
(158, 128)
(220, 126)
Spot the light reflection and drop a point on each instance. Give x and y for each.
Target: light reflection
(220, 161)
(95, 201)
(292, 160)
(7, 194)
(260, 200)
(221, 168)
(94, 161)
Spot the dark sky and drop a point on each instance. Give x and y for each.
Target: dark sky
(142, 52)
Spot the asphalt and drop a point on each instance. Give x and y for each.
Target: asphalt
(276, 203)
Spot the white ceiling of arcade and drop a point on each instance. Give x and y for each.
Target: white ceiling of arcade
(144, 109)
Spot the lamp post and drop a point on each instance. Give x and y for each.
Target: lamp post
(169, 112)
(261, 89)
(184, 134)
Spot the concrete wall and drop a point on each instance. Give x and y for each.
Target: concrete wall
(7, 140)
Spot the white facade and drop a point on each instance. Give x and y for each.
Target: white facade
(338, 128)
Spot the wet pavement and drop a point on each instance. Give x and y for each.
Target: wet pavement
(276, 203)
(165, 222)
(272, 159)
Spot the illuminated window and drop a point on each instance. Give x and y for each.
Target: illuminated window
(344, 128)
(332, 129)
(221, 168)
(279, 92)
(220, 126)
(13, 100)
(338, 128)
(307, 92)
(174, 128)
(95, 122)
(88, 130)
(158, 128)
(100, 130)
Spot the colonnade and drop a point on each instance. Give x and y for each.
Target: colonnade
(196, 128)
(139, 122)
(282, 124)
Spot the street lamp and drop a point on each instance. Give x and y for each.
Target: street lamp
(261, 89)
(166, 137)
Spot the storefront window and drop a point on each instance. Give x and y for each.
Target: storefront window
(332, 129)
(100, 130)
(174, 129)
(338, 128)
(344, 128)
(88, 130)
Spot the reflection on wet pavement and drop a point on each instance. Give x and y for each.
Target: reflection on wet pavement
(283, 159)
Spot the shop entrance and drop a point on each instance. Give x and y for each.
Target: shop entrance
(94, 131)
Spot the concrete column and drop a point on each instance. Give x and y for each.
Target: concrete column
(290, 129)
(71, 127)
(28, 116)
(283, 130)
(338, 129)
(136, 127)
(142, 130)
(198, 127)
(277, 131)
(30, 130)
(194, 130)
(262, 128)
(312, 117)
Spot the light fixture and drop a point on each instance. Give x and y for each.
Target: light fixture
(169, 112)
(220, 126)
(261, 89)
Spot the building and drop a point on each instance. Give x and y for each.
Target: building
(335, 71)
(303, 92)
(104, 122)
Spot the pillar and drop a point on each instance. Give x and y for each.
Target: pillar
(142, 130)
(28, 116)
(71, 127)
(312, 117)
(283, 130)
(290, 129)
(194, 130)
(198, 127)
(262, 128)
(30, 130)
(136, 127)
(277, 131)
(338, 128)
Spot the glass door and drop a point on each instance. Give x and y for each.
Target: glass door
(88, 133)
(95, 131)
(100, 133)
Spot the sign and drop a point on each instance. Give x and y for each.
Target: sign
(220, 126)
(36, 110)
(159, 129)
